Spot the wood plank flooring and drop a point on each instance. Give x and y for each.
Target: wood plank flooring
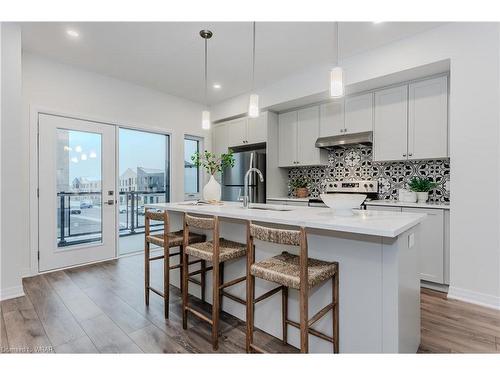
(100, 309)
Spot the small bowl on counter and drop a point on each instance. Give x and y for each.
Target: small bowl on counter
(343, 204)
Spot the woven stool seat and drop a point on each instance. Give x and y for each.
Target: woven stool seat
(227, 250)
(284, 269)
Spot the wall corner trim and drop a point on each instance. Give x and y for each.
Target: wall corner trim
(11, 292)
(465, 295)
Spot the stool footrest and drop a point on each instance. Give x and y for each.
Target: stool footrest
(199, 315)
(197, 272)
(194, 281)
(268, 294)
(234, 298)
(312, 331)
(321, 313)
(233, 282)
(156, 291)
(180, 264)
(257, 349)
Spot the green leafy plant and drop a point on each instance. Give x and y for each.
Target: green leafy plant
(211, 162)
(299, 183)
(420, 185)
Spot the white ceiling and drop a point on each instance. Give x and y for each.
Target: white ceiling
(168, 56)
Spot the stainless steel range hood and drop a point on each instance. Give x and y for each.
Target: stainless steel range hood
(363, 139)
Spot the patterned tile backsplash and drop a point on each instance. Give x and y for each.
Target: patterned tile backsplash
(355, 163)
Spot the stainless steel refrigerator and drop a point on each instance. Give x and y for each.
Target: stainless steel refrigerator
(233, 178)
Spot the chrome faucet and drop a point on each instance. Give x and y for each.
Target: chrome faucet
(246, 197)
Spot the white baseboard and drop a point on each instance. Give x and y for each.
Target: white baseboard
(486, 300)
(12, 292)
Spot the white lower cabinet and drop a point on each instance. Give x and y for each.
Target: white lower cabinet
(431, 244)
(434, 259)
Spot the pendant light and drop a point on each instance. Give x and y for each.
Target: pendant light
(253, 105)
(205, 115)
(337, 88)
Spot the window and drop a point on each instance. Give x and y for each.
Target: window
(191, 171)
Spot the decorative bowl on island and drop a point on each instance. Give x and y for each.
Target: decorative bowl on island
(343, 204)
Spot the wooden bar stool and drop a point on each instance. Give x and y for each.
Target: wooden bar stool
(166, 240)
(290, 271)
(217, 251)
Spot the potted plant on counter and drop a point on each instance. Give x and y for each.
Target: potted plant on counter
(421, 186)
(299, 186)
(213, 164)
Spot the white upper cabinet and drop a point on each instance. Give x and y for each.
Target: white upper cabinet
(237, 132)
(358, 113)
(390, 126)
(257, 129)
(243, 131)
(287, 135)
(428, 119)
(297, 133)
(220, 139)
(307, 134)
(331, 118)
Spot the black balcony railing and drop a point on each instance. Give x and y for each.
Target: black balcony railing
(79, 215)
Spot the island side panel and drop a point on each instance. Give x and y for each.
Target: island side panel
(401, 293)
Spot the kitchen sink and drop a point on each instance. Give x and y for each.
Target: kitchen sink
(268, 207)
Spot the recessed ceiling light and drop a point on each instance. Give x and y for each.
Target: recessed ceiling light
(376, 22)
(217, 86)
(72, 33)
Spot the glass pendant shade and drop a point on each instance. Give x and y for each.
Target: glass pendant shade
(337, 89)
(253, 106)
(205, 120)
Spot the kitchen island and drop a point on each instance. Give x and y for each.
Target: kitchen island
(378, 268)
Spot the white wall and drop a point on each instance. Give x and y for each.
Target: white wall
(14, 145)
(473, 49)
(62, 88)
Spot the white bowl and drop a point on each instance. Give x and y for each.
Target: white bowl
(343, 204)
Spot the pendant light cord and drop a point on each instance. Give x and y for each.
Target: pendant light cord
(338, 41)
(253, 58)
(206, 69)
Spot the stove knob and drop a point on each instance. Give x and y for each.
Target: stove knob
(371, 185)
(334, 185)
(366, 186)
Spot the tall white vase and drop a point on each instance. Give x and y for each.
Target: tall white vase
(212, 190)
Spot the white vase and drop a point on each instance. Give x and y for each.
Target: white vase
(212, 190)
(422, 196)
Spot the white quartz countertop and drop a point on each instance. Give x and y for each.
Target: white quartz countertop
(377, 223)
(395, 203)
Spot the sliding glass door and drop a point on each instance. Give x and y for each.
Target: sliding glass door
(91, 206)
(143, 178)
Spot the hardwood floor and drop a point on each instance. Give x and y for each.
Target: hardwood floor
(100, 309)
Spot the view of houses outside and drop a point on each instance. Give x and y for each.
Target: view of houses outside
(143, 179)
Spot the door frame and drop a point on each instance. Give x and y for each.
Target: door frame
(34, 111)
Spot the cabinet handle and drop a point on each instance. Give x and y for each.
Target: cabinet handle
(404, 155)
(410, 154)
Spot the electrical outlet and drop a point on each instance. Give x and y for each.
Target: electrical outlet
(411, 240)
